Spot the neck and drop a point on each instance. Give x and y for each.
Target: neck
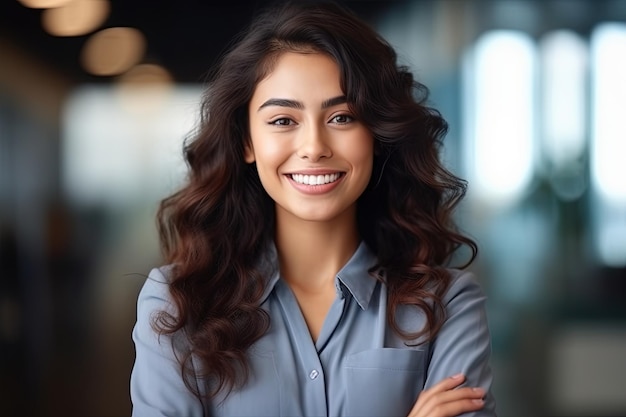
(311, 253)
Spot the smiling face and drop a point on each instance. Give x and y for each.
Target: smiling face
(313, 157)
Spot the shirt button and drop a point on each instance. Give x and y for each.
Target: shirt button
(313, 374)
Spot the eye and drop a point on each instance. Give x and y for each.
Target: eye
(342, 119)
(283, 121)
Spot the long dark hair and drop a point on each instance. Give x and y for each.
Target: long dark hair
(217, 227)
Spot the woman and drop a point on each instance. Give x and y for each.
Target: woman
(306, 255)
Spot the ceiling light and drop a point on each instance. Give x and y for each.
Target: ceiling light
(78, 17)
(113, 51)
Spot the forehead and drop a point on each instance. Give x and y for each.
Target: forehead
(299, 72)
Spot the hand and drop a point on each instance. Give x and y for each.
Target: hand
(443, 400)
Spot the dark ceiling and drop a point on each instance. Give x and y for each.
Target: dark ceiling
(185, 36)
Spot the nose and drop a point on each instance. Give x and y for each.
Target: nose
(313, 144)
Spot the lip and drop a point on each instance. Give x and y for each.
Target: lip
(315, 171)
(315, 189)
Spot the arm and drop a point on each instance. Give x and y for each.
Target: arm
(446, 399)
(463, 346)
(156, 384)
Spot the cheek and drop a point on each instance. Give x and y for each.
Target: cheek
(366, 156)
(269, 153)
(362, 152)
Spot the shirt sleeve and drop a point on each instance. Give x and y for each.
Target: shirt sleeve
(463, 344)
(156, 383)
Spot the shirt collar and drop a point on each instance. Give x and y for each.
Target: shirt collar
(269, 268)
(354, 275)
(356, 278)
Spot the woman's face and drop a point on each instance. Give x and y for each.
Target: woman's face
(313, 157)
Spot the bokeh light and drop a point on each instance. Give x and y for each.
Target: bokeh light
(43, 4)
(113, 51)
(75, 18)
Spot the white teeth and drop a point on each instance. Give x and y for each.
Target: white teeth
(314, 179)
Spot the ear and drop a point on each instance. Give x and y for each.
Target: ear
(248, 152)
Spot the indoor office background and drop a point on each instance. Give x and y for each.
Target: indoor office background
(97, 96)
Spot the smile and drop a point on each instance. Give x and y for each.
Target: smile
(315, 179)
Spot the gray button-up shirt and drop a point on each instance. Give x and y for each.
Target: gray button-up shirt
(357, 367)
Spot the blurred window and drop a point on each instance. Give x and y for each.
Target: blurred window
(121, 147)
(608, 142)
(499, 112)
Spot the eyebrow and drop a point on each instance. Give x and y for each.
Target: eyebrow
(294, 104)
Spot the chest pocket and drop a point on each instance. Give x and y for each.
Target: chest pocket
(384, 382)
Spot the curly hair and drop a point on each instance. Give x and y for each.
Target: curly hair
(216, 228)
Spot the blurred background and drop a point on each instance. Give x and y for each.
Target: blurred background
(96, 97)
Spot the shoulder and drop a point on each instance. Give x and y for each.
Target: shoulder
(463, 284)
(155, 292)
(159, 279)
(156, 305)
(465, 303)
(156, 386)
